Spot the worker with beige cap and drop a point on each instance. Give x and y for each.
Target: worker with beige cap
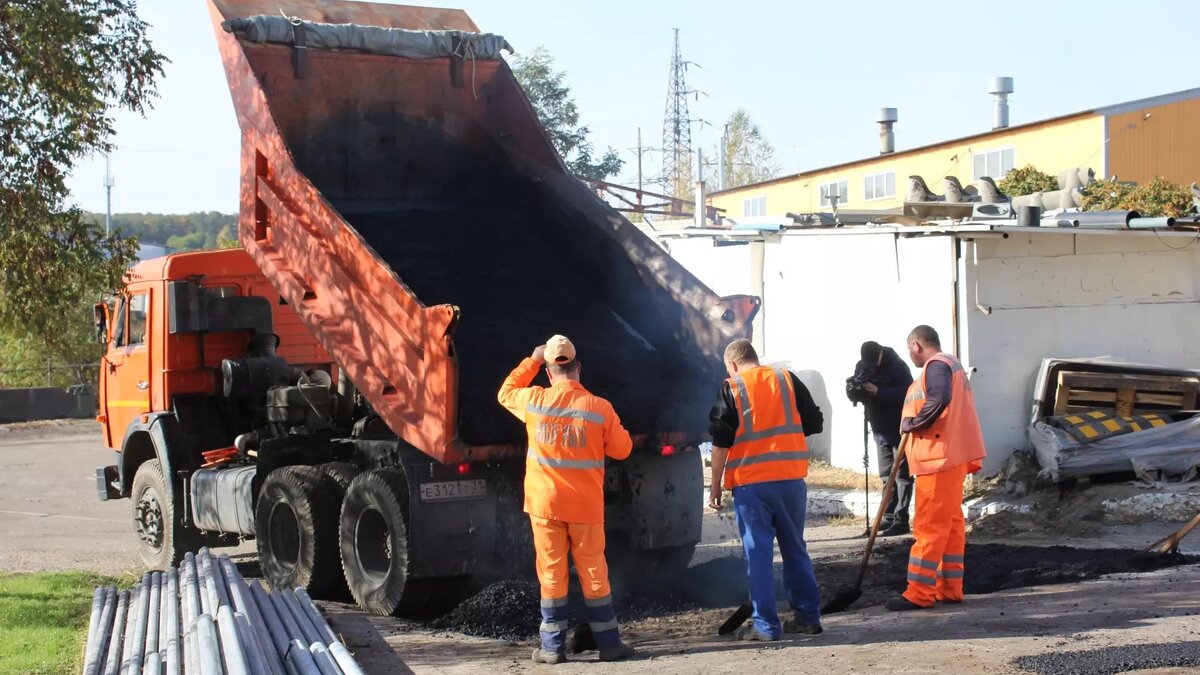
(571, 431)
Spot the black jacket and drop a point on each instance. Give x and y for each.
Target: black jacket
(884, 409)
(723, 419)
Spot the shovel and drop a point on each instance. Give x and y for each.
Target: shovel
(1166, 546)
(845, 597)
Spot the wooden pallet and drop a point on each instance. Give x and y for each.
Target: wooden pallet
(1124, 394)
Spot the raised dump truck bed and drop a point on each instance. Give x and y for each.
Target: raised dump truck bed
(414, 214)
(408, 209)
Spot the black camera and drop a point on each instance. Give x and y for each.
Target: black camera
(856, 389)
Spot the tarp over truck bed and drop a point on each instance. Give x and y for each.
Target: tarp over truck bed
(370, 181)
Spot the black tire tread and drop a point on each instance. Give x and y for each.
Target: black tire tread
(319, 504)
(171, 553)
(387, 490)
(343, 473)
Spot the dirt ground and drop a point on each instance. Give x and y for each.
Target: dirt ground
(51, 519)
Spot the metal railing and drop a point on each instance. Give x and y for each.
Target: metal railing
(63, 376)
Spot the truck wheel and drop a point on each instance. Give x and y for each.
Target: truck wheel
(376, 548)
(161, 539)
(296, 520)
(342, 473)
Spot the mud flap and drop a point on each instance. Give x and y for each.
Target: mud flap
(667, 499)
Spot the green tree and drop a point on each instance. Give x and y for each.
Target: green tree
(65, 67)
(1026, 181)
(749, 158)
(551, 98)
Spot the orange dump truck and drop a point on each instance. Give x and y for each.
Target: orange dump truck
(408, 234)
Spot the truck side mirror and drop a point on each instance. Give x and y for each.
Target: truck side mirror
(100, 318)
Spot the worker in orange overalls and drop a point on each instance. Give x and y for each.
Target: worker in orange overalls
(571, 431)
(945, 443)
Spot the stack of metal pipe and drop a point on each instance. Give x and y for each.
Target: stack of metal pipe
(204, 618)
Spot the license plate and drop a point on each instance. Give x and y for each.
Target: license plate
(453, 489)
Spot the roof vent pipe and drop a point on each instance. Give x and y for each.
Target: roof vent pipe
(887, 137)
(1000, 88)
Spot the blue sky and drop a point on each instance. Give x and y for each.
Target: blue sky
(811, 74)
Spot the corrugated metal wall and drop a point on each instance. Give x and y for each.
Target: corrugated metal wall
(1167, 143)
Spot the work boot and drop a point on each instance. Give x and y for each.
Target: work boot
(621, 651)
(902, 604)
(751, 632)
(896, 529)
(798, 626)
(950, 601)
(548, 657)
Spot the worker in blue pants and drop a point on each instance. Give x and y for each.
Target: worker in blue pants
(766, 512)
(760, 452)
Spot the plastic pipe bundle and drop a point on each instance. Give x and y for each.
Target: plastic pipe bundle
(203, 618)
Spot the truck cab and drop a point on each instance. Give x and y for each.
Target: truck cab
(146, 363)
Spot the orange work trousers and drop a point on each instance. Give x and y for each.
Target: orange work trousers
(552, 539)
(935, 563)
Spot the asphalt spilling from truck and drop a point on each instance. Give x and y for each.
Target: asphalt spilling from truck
(510, 610)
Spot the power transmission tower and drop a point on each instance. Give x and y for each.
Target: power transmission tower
(677, 131)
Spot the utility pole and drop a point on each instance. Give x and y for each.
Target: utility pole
(639, 152)
(723, 178)
(108, 186)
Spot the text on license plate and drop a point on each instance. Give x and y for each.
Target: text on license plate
(453, 489)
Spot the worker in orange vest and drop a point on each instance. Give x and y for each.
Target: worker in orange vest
(945, 444)
(758, 426)
(571, 431)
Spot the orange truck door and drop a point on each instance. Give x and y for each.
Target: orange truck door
(127, 381)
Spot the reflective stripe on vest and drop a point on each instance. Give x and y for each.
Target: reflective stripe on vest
(557, 463)
(565, 413)
(760, 453)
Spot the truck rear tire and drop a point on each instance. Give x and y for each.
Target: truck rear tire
(375, 545)
(342, 473)
(297, 523)
(162, 538)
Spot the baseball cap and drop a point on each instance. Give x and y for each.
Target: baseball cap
(559, 350)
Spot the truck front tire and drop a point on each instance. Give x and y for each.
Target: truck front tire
(297, 523)
(162, 540)
(375, 545)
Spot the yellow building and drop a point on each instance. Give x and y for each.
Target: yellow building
(1134, 141)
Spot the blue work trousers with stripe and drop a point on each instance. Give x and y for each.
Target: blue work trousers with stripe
(767, 512)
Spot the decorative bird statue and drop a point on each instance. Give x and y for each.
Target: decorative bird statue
(955, 193)
(918, 191)
(989, 193)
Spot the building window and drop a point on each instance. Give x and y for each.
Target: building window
(994, 164)
(839, 189)
(755, 206)
(880, 185)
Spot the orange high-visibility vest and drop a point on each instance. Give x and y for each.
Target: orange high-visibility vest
(571, 432)
(955, 438)
(769, 444)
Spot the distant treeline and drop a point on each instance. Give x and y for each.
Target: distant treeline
(180, 231)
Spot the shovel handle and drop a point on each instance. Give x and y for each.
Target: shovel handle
(1170, 543)
(883, 502)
